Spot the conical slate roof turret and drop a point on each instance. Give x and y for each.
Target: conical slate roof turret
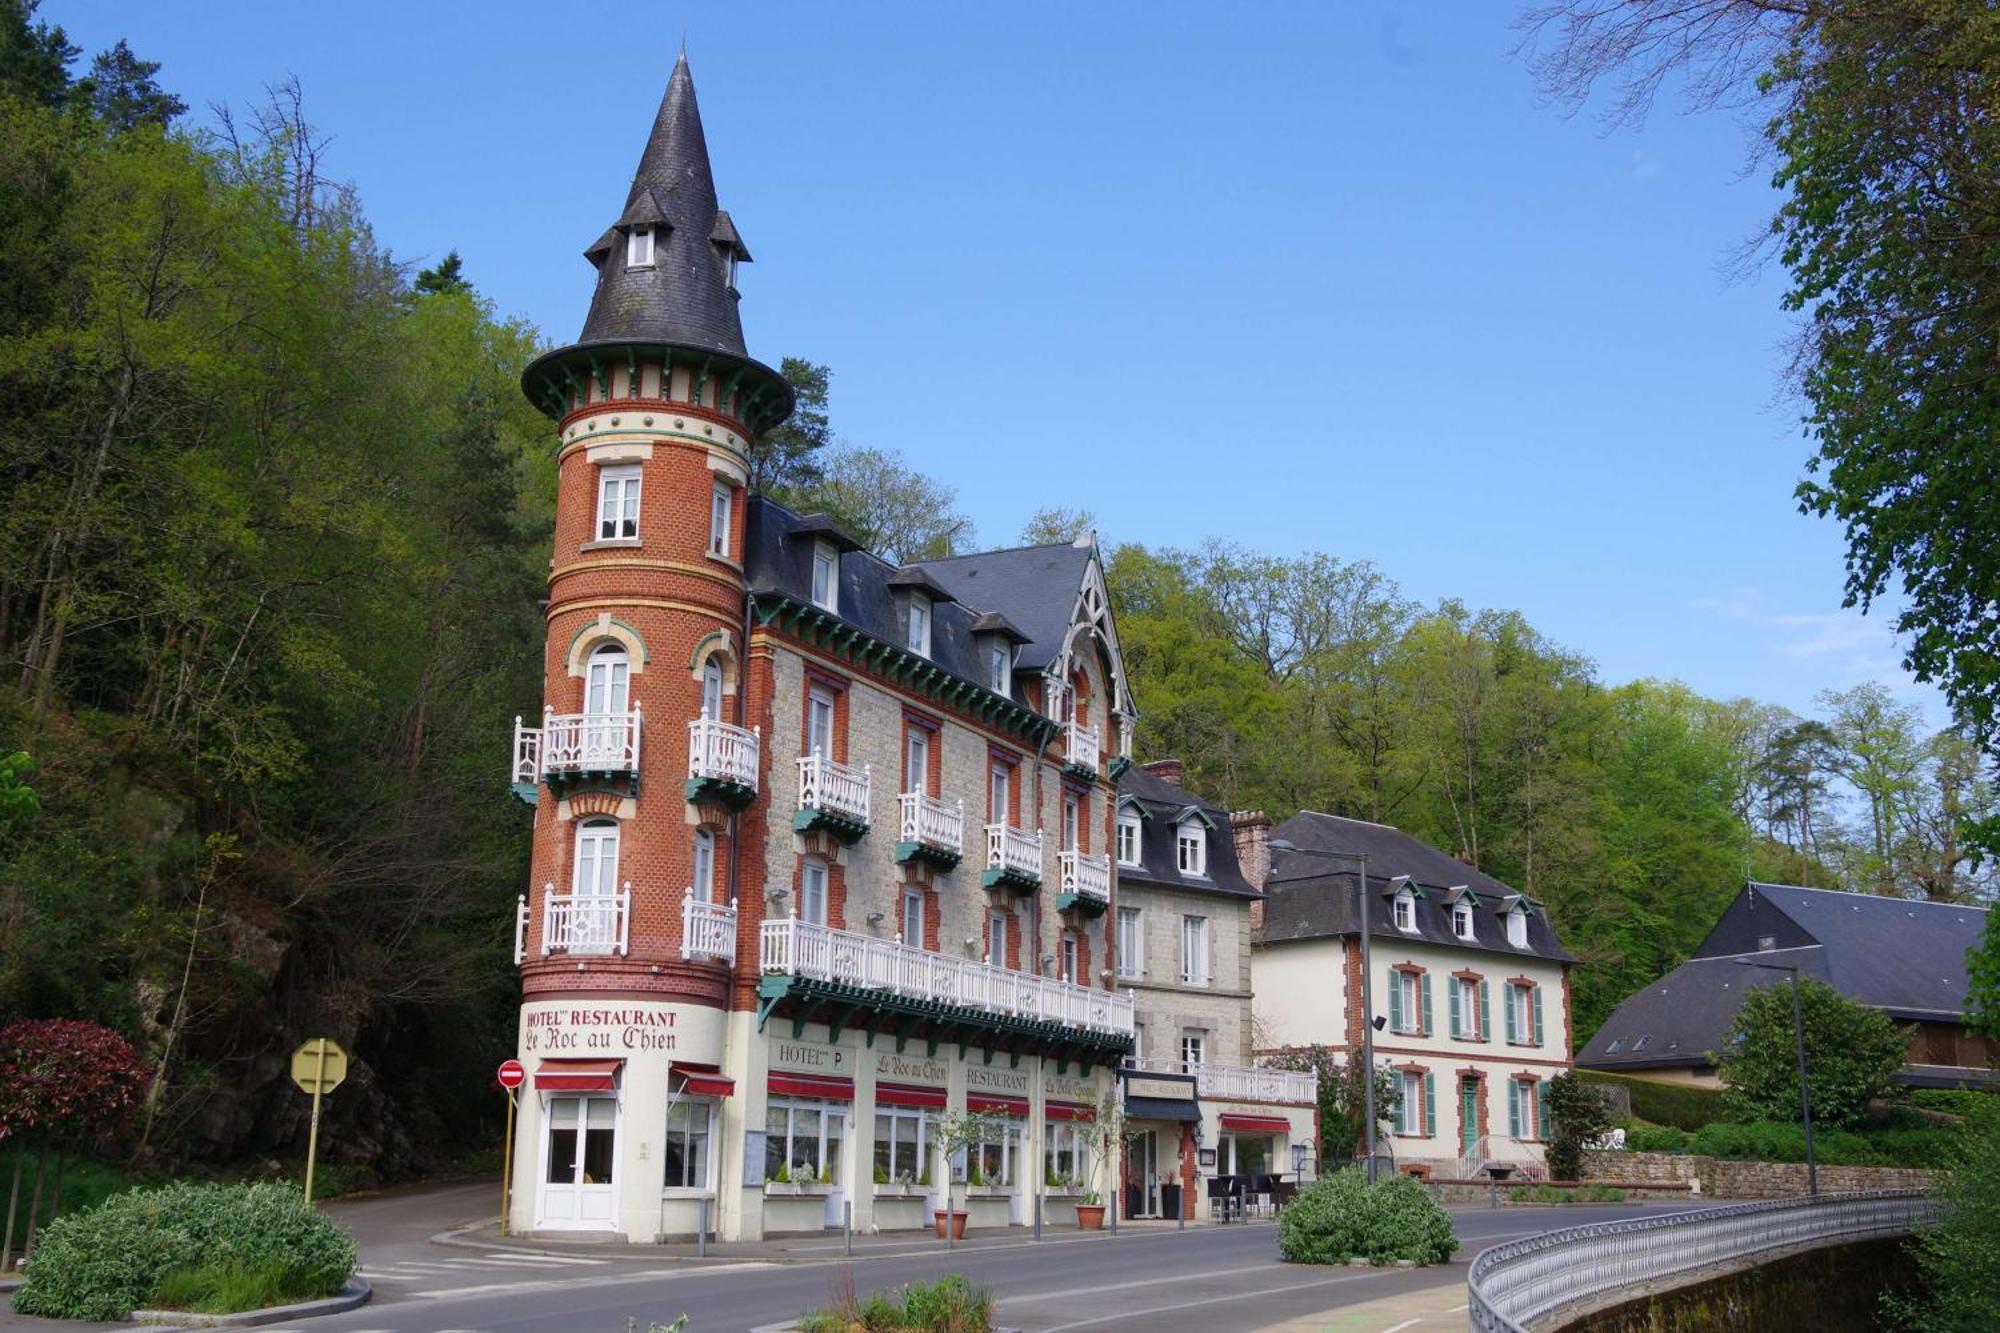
(684, 296)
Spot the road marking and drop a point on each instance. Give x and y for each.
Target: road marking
(1219, 1300)
(1033, 1297)
(1407, 1323)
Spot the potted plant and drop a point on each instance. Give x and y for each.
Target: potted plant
(1106, 1136)
(956, 1132)
(1090, 1211)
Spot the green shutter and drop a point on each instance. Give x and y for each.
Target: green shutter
(1427, 1004)
(1457, 1023)
(1430, 1104)
(1514, 1108)
(1509, 1004)
(1486, 1011)
(1395, 1002)
(1538, 1015)
(1542, 1109)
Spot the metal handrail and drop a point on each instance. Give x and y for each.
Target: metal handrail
(1252, 1083)
(1512, 1285)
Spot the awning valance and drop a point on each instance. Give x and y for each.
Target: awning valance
(817, 1086)
(993, 1103)
(1256, 1124)
(1068, 1111)
(704, 1080)
(1162, 1108)
(577, 1075)
(908, 1094)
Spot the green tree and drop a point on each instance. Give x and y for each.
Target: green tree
(1051, 527)
(1581, 1115)
(446, 276)
(1958, 1257)
(889, 507)
(1852, 1055)
(787, 457)
(1982, 968)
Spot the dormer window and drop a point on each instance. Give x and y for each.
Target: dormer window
(1000, 668)
(639, 248)
(1461, 921)
(729, 267)
(1128, 838)
(1406, 910)
(1517, 928)
(826, 577)
(920, 624)
(1191, 845)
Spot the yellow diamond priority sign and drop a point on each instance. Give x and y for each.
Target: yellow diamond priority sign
(319, 1066)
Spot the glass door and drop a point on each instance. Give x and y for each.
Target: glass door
(579, 1164)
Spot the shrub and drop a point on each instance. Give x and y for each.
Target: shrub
(1581, 1114)
(106, 1261)
(1781, 1141)
(1341, 1217)
(1656, 1138)
(1681, 1105)
(1854, 1053)
(1956, 1256)
(949, 1305)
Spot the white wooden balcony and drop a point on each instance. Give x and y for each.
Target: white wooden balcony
(721, 754)
(1085, 876)
(570, 745)
(1082, 747)
(521, 915)
(708, 930)
(802, 948)
(580, 923)
(833, 794)
(1248, 1083)
(1013, 855)
(926, 824)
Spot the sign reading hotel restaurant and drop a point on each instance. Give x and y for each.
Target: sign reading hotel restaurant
(911, 1069)
(1171, 1089)
(565, 1028)
(811, 1057)
(1014, 1081)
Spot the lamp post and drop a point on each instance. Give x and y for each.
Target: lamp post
(1805, 1085)
(1360, 861)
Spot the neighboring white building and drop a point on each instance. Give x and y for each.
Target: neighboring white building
(1470, 986)
(1197, 1106)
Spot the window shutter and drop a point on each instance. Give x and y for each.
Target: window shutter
(1486, 1011)
(1514, 1108)
(1395, 1001)
(1427, 1003)
(1542, 1110)
(1430, 1104)
(1538, 1015)
(1511, 1037)
(1457, 1021)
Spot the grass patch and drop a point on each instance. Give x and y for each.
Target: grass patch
(1551, 1194)
(949, 1305)
(234, 1288)
(86, 1182)
(1678, 1104)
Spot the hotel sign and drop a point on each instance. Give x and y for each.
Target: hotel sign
(612, 1029)
(911, 1069)
(1167, 1089)
(811, 1057)
(1011, 1081)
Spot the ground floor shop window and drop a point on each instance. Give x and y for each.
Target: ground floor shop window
(991, 1160)
(1065, 1159)
(802, 1141)
(583, 1134)
(688, 1128)
(1245, 1155)
(902, 1144)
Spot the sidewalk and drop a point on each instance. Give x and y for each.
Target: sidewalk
(1427, 1310)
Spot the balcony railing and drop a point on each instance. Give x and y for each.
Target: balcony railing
(1012, 852)
(803, 948)
(929, 822)
(527, 754)
(1249, 1083)
(520, 929)
(590, 743)
(1086, 876)
(579, 923)
(833, 789)
(708, 930)
(719, 752)
(1081, 746)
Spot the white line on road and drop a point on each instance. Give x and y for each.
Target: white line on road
(1407, 1323)
(1030, 1298)
(1219, 1300)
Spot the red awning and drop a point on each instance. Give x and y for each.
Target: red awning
(993, 1103)
(812, 1085)
(577, 1075)
(1256, 1124)
(904, 1094)
(704, 1080)
(1069, 1111)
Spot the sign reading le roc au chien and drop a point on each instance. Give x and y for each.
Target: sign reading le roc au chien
(566, 1028)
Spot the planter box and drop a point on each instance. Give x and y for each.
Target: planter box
(790, 1189)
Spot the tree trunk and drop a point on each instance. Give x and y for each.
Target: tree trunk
(13, 1207)
(34, 1211)
(55, 1201)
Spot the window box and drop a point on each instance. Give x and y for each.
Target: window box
(797, 1189)
(901, 1189)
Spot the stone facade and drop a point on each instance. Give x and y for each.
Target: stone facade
(1719, 1178)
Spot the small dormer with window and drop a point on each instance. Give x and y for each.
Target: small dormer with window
(1461, 903)
(1191, 832)
(1128, 834)
(996, 640)
(917, 596)
(1517, 925)
(729, 248)
(1403, 908)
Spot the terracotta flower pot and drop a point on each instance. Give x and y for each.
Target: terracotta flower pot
(957, 1223)
(1090, 1216)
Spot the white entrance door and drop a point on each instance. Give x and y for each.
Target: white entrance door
(579, 1164)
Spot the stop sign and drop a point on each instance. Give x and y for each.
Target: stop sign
(512, 1074)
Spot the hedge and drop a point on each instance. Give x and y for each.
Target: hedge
(1678, 1104)
(1780, 1141)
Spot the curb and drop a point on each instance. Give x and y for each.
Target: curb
(353, 1297)
(460, 1238)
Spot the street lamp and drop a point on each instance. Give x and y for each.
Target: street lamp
(1805, 1086)
(1360, 860)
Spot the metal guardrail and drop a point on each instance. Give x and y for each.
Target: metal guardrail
(1512, 1285)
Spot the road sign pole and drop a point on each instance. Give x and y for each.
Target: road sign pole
(312, 1140)
(507, 1163)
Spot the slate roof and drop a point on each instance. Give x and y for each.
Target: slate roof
(1033, 586)
(684, 299)
(1162, 804)
(1904, 957)
(1312, 897)
(873, 592)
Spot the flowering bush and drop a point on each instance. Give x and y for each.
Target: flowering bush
(66, 1081)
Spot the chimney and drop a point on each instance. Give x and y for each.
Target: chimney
(1166, 770)
(1252, 833)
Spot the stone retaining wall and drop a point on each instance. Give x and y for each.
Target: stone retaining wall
(1721, 1179)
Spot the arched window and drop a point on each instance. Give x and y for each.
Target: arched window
(607, 680)
(596, 859)
(711, 688)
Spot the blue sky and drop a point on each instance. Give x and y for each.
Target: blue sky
(1305, 276)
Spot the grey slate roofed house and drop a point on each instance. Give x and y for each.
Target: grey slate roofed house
(1034, 587)
(1162, 805)
(1310, 897)
(1904, 957)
